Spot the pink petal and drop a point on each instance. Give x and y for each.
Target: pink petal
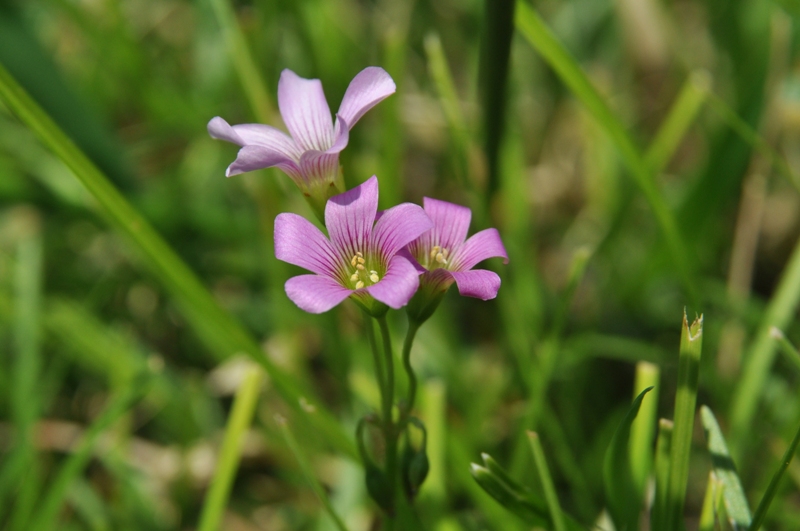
(315, 294)
(255, 157)
(436, 280)
(398, 285)
(305, 111)
(318, 166)
(349, 217)
(483, 245)
(451, 222)
(258, 134)
(219, 129)
(299, 242)
(367, 89)
(398, 226)
(477, 283)
(324, 165)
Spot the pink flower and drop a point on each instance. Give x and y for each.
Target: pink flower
(360, 259)
(310, 156)
(448, 256)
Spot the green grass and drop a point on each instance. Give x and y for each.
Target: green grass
(613, 159)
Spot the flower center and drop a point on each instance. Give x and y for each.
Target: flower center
(437, 258)
(361, 276)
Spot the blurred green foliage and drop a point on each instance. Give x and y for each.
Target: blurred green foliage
(705, 95)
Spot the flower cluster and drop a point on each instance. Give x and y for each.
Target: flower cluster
(380, 260)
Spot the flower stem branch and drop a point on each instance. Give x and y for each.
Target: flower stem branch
(390, 431)
(412, 379)
(376, 357)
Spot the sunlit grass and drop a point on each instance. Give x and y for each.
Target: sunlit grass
(134, 276)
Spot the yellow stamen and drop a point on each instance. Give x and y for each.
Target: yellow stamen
(359, 285)
(373, 276)
(353, 262)
(360, 267)
(354, 277)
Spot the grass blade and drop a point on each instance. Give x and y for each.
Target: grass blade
(685, 400)
(772, 488)
(448, 97)
(778, 313)
(239, 52)
(305, 466)
(681, 115)
(752, 137)
(643, 429)
(515, 498)
(623, 498)
(661, 466)
(221, 333)
(550, 495)
(244, 406)
(542, 39)
(786, 346)
(724, 469)
(494, 64)
(25, 397)
(708, 514)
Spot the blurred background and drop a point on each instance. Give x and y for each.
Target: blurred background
(682, 193)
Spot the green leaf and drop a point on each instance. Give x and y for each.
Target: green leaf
(546, 480)
(772, 488)
(517, 499)
(622, 496)
(661, 468)
(725, 470)
(685, 401)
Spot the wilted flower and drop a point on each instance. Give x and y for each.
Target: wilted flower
(447, 256)
(310, 156)
(359, 260)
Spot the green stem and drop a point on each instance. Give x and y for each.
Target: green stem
(763, 505)
(389, 431)
(376, 358)
(241, 417)
(412, 379)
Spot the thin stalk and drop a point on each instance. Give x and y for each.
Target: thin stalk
(244, 406)
(305, 466)
(448, 98)
(779, 312)
(26, 400)
(389, 358)
(547, 482)
(390, 432)
(494, 65)
(243, 61)
(786, 347)
(763, 505)
(685, 401)
(412, 379)
(708, 514)
(752, 137)
(681, 115)
(661, 467)
(643, 427)
(376, 357)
